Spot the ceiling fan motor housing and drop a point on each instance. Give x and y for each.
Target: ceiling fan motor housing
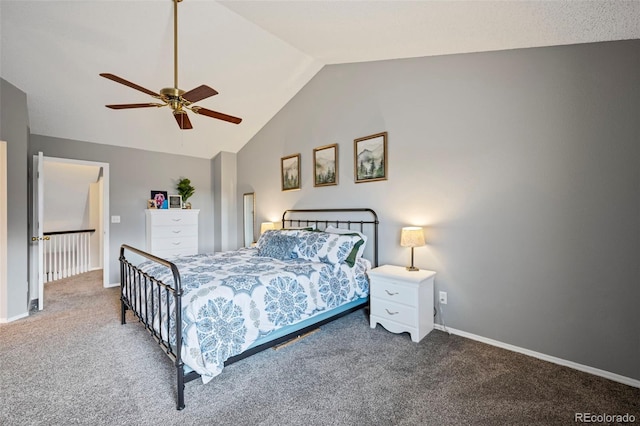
(173, 97)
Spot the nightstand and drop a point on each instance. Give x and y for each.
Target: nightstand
(402, 300)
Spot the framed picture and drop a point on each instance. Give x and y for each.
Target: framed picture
(151, 204)
(290, 171)
(175, 201)
(370, 158)
(160, 197)
(325, 165)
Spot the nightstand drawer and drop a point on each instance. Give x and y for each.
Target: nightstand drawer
(394, 292)
(393, 311)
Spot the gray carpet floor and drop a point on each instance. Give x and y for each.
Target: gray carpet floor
(74, 363)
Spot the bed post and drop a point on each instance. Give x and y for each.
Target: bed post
(178, 324)
(180, 400)
(123, 307)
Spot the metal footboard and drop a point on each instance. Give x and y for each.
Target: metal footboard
(158, 305)
(150, 301)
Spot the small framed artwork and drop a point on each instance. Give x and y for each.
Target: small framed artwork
(325, 165)
(175, 201)
(160, 197)
(151, 204)
(290, 172)
(370, 158)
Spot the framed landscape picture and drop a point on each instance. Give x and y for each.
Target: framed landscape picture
(290, 172)
(370, 158)
(325, 165)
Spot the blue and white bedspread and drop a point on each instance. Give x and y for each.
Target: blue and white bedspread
(231, 299)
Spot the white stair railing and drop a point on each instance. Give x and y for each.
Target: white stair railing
(66, 254)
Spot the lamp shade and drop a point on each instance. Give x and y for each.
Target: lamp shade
(412, 236)
(265, 226)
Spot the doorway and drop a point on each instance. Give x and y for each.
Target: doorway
(58, 208)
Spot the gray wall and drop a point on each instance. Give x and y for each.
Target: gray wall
(522, 165)
(14, 129)
(133, 173)
(224, 189)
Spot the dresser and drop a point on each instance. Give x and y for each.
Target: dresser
(172, 232)
(402, 300)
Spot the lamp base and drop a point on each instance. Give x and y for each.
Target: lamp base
(412, 268)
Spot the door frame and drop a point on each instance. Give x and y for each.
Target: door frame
(3, 232)
(105, 216)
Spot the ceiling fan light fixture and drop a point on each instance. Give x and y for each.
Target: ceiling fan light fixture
(176, 98)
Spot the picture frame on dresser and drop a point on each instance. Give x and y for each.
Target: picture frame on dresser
(175, 201)
(160, 197)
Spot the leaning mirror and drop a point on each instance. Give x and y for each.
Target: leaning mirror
(249, 217)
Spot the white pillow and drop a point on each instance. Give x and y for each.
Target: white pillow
(334, 230)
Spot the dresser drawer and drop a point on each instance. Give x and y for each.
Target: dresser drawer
(174, 218)
(174, 243)
(396, 312)
(394, 292)
(176, 251)
(175, 231)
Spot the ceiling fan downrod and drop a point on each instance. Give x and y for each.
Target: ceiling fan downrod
(173, 94)
(178, 100)
(175, 43)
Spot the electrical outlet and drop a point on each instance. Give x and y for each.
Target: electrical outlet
(443, 298)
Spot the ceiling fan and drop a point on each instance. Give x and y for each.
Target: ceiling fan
(178, 100)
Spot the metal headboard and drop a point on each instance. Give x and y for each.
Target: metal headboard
(364, 220)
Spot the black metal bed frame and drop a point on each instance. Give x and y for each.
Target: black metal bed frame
(139, 291)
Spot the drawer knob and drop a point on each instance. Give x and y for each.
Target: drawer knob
(391, 294)
(391, 313)
(177, 219)
(176, 232)
(177, 243)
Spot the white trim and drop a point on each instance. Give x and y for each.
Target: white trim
(580, 367)
(105, 208)
(17, 317)
(112, 285)
(4, 252)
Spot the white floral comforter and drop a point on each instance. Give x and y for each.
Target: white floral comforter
(232, 299)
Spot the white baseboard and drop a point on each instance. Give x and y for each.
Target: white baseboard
(112, 285)
(580, 367)
(15, 318)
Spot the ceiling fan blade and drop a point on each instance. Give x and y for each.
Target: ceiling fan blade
(129, 84)
(183, 120)
(127, 106)
(215, 114)
(199, 93)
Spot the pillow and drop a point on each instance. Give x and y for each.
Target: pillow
(267, 235)
(325, 247)
(360, 247)
(278, 246)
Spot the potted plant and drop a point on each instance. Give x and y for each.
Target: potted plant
(186, 190)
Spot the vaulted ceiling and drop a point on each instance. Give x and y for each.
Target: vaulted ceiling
(256, 54)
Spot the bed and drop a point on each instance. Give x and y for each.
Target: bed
(234, 304)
